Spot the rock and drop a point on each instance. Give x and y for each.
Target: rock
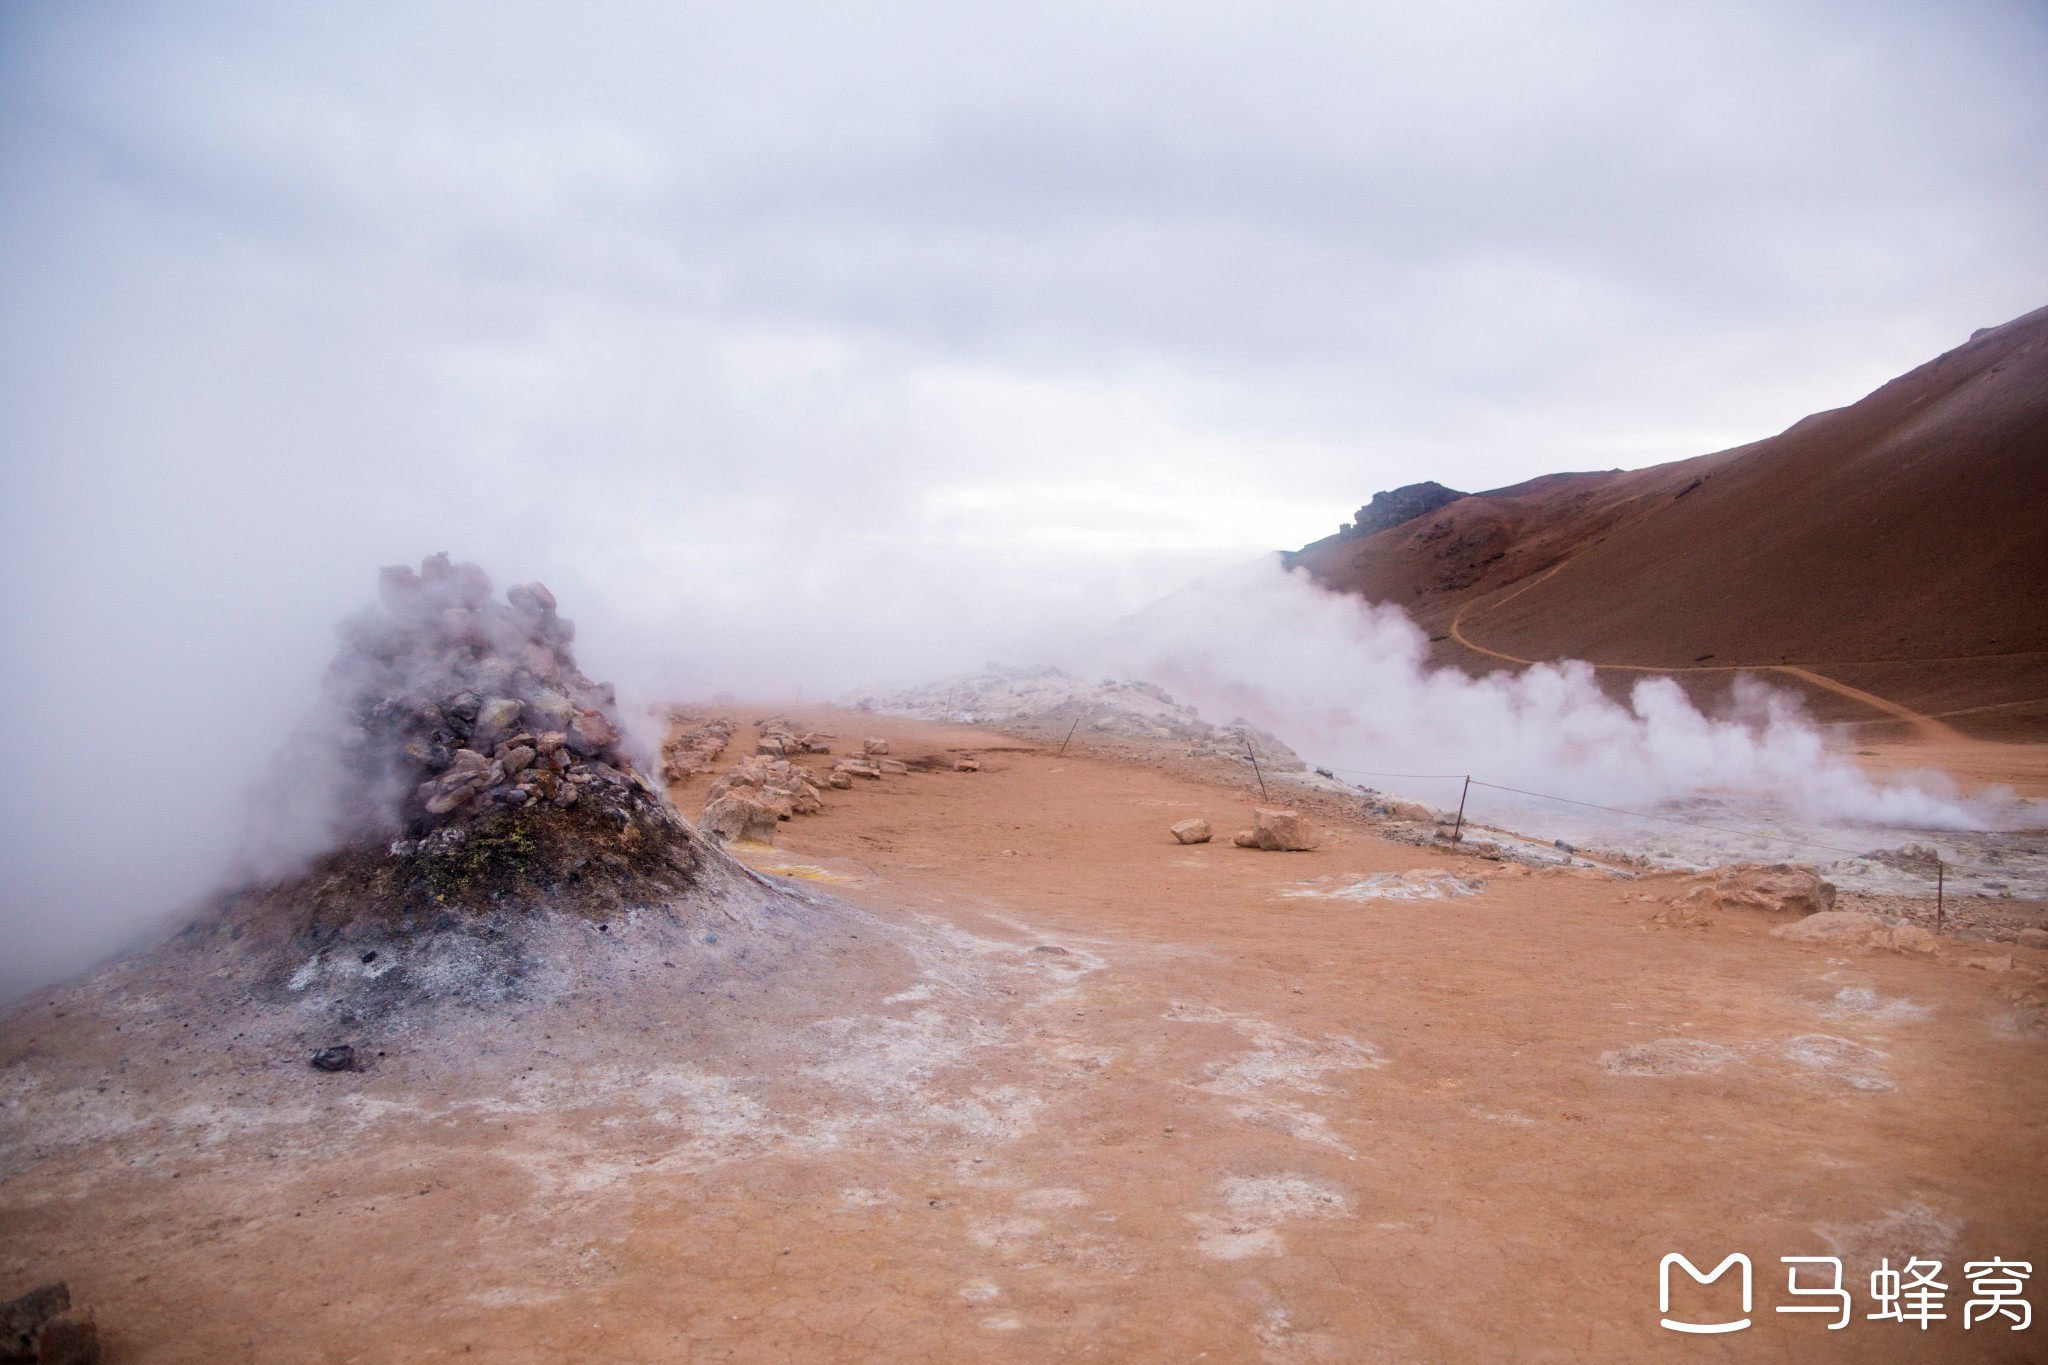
(338, 1058)
(1841, 928)
(1911, 938)
(531, 599)
(1410, 811)
(769, 747)
(40, 1327)
(469, 774)
(550, 743)
(549, 711)
(1685, 914)
(1781, 888)
(842, 780)
(1191, 831)
(69, 1340)
(873, 747)
(892, 765)
(429, 755)
(734, 817)
(1854, 929)
(518, 760)
(1245, 838)
(2034, 938)
(1280, 831)
(590, 733)
(966, 765)
(1394, 507)
(498, 715)
(542, 662)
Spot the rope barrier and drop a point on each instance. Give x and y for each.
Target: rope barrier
(1937, 875)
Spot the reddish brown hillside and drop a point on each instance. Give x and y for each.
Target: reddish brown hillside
(1894, 553)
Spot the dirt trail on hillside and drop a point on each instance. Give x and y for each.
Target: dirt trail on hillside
(1104, 1097)
(1927, 729)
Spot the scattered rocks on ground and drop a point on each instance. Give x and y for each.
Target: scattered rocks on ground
(1049, 704)
(754, 794)
(693, 745)
(42, 1328)
(1191, 831)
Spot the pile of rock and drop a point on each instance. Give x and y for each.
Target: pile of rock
(694, 745)
(780, 739)
(757, 793)
(456, 703)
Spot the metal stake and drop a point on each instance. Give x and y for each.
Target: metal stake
(1458, 830)
(1069, 739)
(1938, 880)
(1255, 768)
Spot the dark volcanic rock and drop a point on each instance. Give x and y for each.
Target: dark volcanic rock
(39, 1328)
(1398, 506)
(341, 1058)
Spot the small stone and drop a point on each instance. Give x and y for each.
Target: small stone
(1244, 838)
(873, 747)
(2034, 938)
(338, 1058)
(892, 765)
(841, 780)
(966, 765)
(1191, 831)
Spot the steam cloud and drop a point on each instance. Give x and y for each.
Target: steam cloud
(1348, 683)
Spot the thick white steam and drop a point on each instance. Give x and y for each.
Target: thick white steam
(1348, 684)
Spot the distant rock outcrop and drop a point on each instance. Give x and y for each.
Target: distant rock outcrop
(1393, 507)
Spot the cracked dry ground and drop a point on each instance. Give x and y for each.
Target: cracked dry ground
(1067, 1090)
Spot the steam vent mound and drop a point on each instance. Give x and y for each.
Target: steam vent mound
(491, 822)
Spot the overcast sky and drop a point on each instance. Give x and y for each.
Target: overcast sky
(810, 343)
